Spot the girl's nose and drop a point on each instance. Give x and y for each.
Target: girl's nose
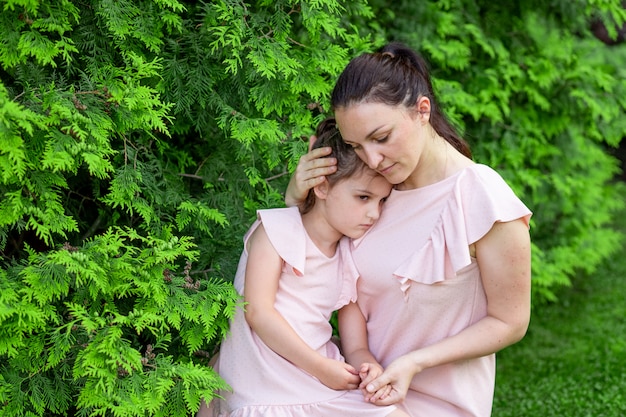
(374, 212)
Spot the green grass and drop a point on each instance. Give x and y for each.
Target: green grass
(572, 362)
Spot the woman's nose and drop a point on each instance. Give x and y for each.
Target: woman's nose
(372, 158)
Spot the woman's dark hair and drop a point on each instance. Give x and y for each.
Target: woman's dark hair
(348, 163)
(394, 75)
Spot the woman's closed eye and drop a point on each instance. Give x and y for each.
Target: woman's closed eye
(381, 140)
(358, 147)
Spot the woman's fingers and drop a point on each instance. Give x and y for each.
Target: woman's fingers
(311, 171)
(313, 168)
(317, 163)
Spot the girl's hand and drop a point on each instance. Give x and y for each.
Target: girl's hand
(392, 386)
(311, 171)
(338, 375)
(369, 372)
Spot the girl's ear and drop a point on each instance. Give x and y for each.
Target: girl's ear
(321, 191)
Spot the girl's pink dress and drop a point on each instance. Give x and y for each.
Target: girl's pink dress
(419, 283)
(311, 287)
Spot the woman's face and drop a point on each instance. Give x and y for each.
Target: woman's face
(390, 139)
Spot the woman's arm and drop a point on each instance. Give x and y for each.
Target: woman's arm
(311, 171)
(263, 273)
(504, 259)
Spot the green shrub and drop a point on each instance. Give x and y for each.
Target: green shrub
(108, 328)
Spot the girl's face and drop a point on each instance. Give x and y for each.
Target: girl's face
(389, 139)
(353, 205)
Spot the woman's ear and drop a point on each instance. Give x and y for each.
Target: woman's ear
(321, 191)
(423, 108)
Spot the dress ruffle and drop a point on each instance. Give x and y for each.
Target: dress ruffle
(479, 198)
(274, 411)
(346, 404)
(284, 230)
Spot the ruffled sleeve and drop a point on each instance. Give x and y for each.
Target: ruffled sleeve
(485, 199)
(350, 275)
(478, 198)
(285, 231)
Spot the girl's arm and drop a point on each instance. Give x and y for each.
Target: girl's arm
(353, 336)
(503, 256)
(263, 273)
(355, 347)
(311, 171)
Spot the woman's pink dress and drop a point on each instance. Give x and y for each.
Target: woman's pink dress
(419, 284)
(311, 287)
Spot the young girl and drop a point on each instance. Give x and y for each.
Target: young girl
(295, 270)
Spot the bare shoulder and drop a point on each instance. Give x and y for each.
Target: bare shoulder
(258, 239)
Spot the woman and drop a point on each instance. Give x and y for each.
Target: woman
(445, 273)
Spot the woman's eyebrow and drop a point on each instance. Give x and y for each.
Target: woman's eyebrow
(374, 131)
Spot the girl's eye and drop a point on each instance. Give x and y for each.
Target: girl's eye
(364, 197)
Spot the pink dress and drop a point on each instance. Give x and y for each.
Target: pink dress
(419, 284)
(311, 287)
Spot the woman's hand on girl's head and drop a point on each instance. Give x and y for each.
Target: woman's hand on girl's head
(311, 171)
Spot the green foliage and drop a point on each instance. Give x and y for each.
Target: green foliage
(539, 99)
(109, 327)
(137, 139)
